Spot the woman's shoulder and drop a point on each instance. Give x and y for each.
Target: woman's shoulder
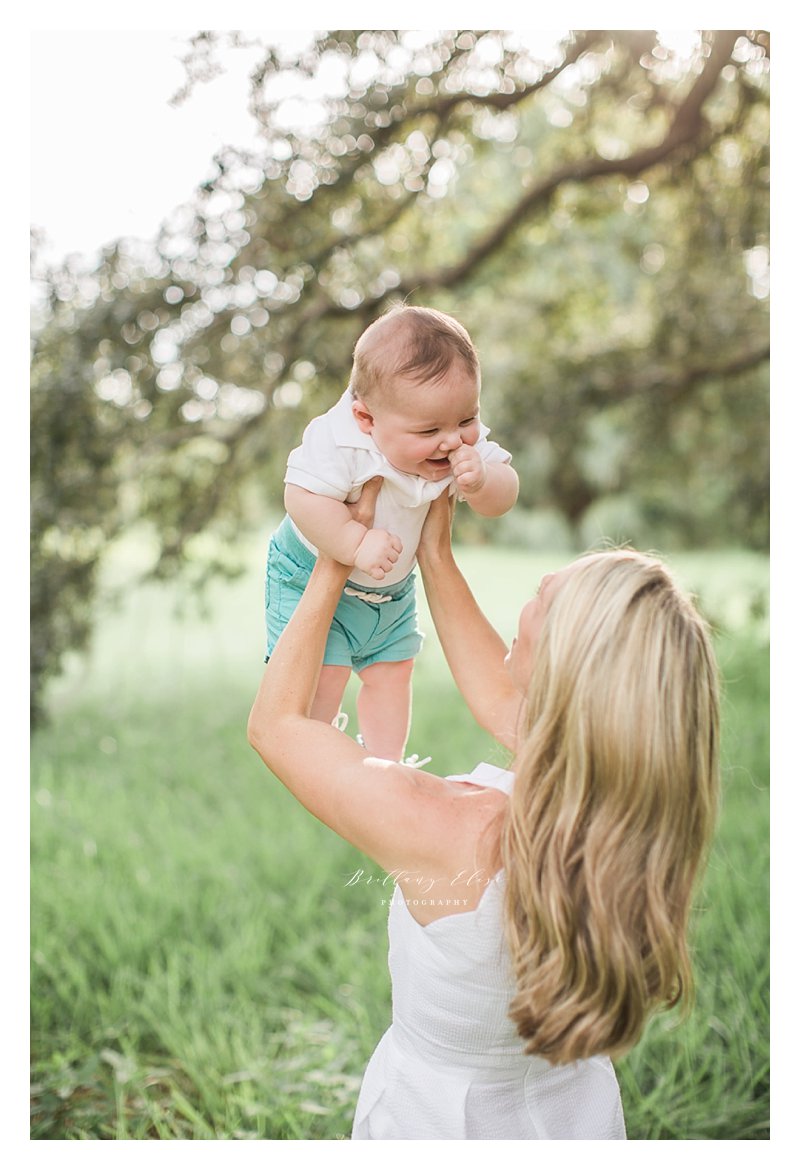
(465, 849)
(477, 814)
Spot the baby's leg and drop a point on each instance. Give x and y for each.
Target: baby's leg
(384, 707)
(330, 688)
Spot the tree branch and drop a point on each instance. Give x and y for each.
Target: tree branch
(675, 385)
(685, 125)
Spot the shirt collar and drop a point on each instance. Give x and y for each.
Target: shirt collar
(412, 490)
(344, 428)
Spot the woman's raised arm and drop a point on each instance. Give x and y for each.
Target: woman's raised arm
(474, 650)
(402, 818)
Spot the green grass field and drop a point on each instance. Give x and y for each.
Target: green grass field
(203, 966)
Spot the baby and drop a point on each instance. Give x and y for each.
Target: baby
(410, 415)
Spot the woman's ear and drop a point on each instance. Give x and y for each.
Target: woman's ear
(363, 416)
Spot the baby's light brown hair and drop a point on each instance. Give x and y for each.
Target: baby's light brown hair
(411, 342)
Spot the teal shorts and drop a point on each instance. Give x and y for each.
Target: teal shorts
(362, 632)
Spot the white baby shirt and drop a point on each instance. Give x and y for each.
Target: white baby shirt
(336, 458)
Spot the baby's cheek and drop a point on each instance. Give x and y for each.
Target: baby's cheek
(471, 435)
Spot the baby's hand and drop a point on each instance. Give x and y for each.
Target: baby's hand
(469, 470)
(378, 552)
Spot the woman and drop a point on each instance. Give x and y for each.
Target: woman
(546, 910)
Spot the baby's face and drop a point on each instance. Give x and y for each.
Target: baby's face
(421, 425)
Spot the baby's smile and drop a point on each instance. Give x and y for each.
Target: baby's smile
(438, 464)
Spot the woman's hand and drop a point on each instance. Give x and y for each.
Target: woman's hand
(436, 531)
(379, 550)
(363, 510)
(360, 515)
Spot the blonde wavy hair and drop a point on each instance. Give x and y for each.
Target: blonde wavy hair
(613, 808)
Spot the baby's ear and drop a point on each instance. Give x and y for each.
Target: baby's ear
(363, 416)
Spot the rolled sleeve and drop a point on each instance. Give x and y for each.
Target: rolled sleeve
(318, 465)
(490, 451)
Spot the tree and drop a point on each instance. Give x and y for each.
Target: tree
(593, 213)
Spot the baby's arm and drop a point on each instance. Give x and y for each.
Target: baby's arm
(490, 489)
(327, 523)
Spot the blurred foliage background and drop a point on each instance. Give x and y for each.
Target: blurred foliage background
(594, 210)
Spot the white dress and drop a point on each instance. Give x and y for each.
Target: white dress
(452, 1065)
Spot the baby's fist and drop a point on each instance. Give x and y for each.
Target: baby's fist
(378, 553)
(469, 470)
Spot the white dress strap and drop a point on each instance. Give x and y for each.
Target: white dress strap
(489, 776)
